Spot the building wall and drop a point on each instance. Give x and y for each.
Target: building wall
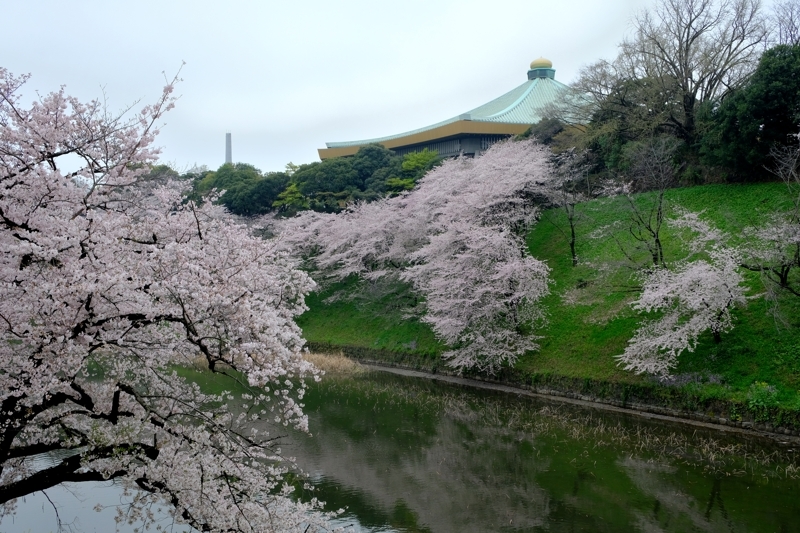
(465, 144)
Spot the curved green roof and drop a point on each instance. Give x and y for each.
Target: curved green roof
(523, 105)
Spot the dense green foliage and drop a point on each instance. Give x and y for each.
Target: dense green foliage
(374, 171)
(247, 191)
(327, 186)
(590, 319)
(732, 132)
(763, 114)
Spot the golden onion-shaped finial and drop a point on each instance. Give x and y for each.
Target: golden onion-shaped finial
(541, 63)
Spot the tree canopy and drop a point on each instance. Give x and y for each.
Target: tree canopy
(110, 282)
(684, 72)
(327, 186)
(457, 239)
(763, 115)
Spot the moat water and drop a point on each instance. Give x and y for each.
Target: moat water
(406, 454)
(412, 455)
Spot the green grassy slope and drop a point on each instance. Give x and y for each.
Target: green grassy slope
(590, 319)
(589, 314)
(377, 324)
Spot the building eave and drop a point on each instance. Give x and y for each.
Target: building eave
(451, 130)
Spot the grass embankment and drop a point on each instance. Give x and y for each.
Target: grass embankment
(754, 372)
(370, 328)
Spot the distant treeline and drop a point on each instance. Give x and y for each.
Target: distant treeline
(327, 186)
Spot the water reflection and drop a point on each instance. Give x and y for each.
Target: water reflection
(409, 455)
(80, 507)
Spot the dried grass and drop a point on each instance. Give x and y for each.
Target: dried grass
(334, 364)
(200, 363)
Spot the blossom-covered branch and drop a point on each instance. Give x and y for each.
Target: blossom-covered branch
(774, 248)
(692, 296)
(108, 286)
(458, 239)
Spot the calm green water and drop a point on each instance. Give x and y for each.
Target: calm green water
(404, 454)
(411, 455)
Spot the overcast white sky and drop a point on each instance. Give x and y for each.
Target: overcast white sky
(285, 77)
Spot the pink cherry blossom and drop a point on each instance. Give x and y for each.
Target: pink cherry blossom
(110, 284)
(692, 296)
(458, 240)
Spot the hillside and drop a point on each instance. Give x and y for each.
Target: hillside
(589, 316)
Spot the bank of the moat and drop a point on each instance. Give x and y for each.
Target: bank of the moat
(649, 398)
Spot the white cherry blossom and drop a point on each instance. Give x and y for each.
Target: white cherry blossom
(458, 239)
(109, 285)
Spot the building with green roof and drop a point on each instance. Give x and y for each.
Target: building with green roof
(473, 132)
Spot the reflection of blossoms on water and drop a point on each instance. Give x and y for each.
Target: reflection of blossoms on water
(671, 501)
(409, 455)
(524, 417)
(415, 455)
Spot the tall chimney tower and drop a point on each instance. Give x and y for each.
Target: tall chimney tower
(228, 155)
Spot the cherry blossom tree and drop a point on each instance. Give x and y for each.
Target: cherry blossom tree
(108, 287)
(458, 239)
(773, 249)
(693, 296)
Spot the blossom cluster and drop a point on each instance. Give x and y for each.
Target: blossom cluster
(690, 297)
(458, 239)
(109, 286)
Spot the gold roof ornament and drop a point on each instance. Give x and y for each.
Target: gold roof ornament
(541, 63)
